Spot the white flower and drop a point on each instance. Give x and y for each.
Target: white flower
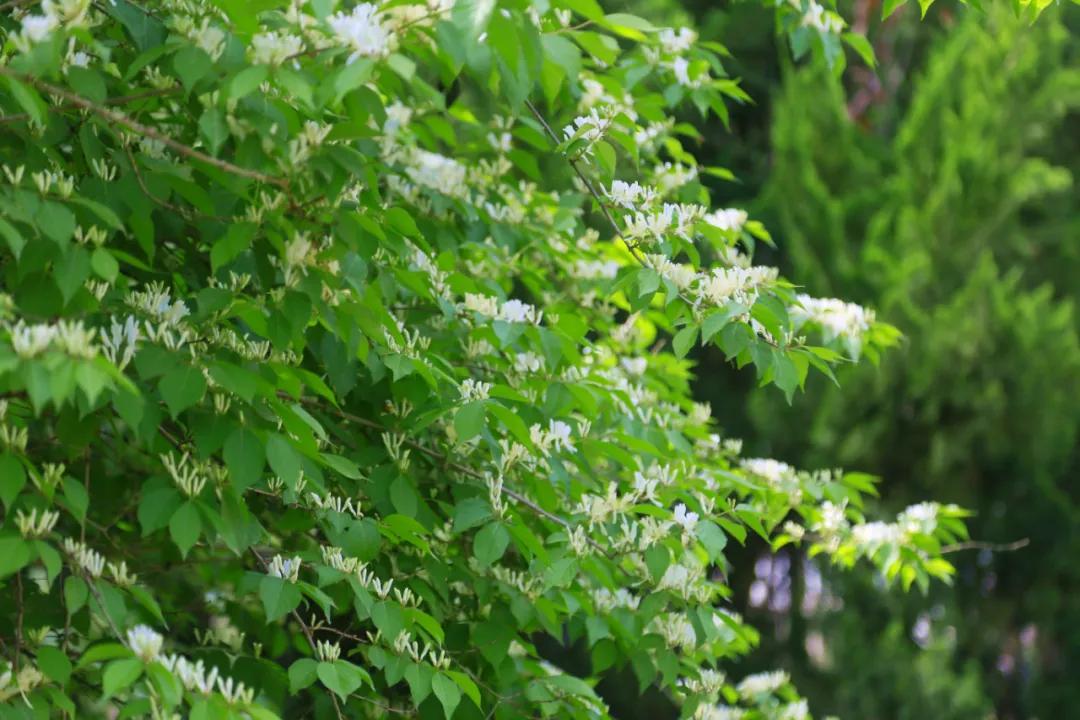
(398, 116)
(362, 30)
(210, 39)
(674, 42)
(679, 275)
(36, 28)
(729, 219)
(595, 269)
(589, 128)
(144, 642)
(735, 283)
(671, 176)
(838, 319)
(559, 435)
(629, 195)
(872, 536)
(634, 366)
(681, 67)
(528, 362)
(833, 520)
(31, 340)
(777, 474)
(274, 48)
(764, 683)
(481, 304)
(287, 569)
(820, 19)
(920, 518)
(474, 390)
(688, 520)
(437, 172)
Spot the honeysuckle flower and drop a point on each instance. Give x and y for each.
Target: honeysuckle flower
(145, 642)
(274, 48)
(764, 683)
(730, 219)
(675, 42)
(838, 319)
(686, 519)
(362, 31)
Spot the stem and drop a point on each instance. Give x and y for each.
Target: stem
(145, 130)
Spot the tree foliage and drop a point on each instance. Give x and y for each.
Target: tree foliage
(955, 224)
(335, 377)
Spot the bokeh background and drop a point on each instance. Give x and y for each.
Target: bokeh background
(941, 190)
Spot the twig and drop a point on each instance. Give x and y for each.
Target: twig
(307, 632)
(588, 185)
(19, 619)
(118, 100)
(992, 547)
(145, 130)
(104, 610)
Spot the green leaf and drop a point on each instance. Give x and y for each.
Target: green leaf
(469, 419)
(342, 465)
(236, 240)
(16, 242)
(490, 543)
(56, 222)
(185, 527)
(104, 264)
(862, 47)
(279, 597)
(448, 692)
(343, 678)
(14, 554)
(29, 100)
(247, 81)
(284, 460)
(54, 663)
(712, 538)
(191, 65)
(213, 129)
(75, 593)
(181, 388)
(684, 340)
(302, 674)
(120, 674)
(146, 30)
(470, 513)
(12, 479)
(77, 499)
(245, 457)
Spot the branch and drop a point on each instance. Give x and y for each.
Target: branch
(588, 185)
(118, 100)
(992, 547)
(145, 130)
(303, 626)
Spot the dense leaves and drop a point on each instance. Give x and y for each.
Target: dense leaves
(335, 377)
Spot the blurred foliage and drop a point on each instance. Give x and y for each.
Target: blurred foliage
(948, 203)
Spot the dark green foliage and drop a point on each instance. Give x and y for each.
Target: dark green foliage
(959, 226)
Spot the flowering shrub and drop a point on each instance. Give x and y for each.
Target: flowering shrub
(343, 358)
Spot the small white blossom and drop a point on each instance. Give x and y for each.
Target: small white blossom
(676, 42)
(362, 30)
(751, 686)
(274, 48)
(729, 219)
(686, 519)
(144, 642)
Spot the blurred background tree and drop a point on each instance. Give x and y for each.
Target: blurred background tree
(940, 190)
